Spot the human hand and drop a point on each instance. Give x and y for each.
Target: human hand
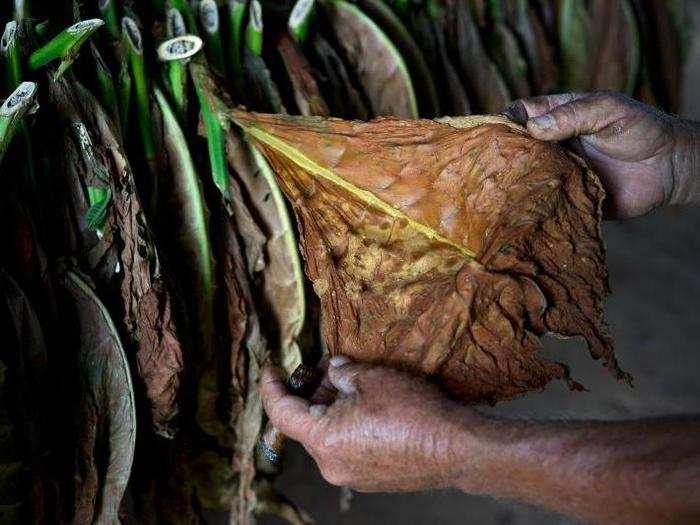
(645, 158)
(373, 428)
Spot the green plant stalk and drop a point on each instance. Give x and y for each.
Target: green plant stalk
(177, 83)
(254, 29)
(12, 112)
(186, 11)
(301, 18)
(64, 46)
(236, 15)
(215, 142)
(134, 52)
(105, 83)
(21, 9)
(108, 10)
(209, 18)
(123, 89)
(11, 57)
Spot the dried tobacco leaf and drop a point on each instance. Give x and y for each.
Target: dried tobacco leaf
(23, 407)
(617, 55)
(283, 280)
(188, 225)
(522, 19)
(421, 76)
(574, 29)
(146, 296)
(104, 412)
(379, 66)
(339, 91)
(444, 248)
(307, 93)
(508, 56)
(490, 94)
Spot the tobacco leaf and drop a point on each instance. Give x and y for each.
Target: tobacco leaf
(187, 227)
(283, 280)
(574, 27)
(458, 101)
(482, 78)
(83, 168)
(343, 99)
(508, 57)
(523, 20)
(104, 414)
(307, 93)
(421, 76)
(377, 63)
(445, 248)
(23, 390)
(146, 297)
(616, 59)
(262, 92)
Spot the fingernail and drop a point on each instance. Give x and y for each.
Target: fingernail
(317, 410)
(516, 112)
(338, 360)
(543, 122)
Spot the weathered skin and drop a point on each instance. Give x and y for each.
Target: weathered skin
(444, 248)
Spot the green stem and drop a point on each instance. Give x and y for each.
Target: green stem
(21, 9)
(176, 52)
(254, 30)
(184, 7)
(124, 95)
(18, 104)
(64, 46)
(210, 22)
(105, 82)
(214, 130)
(108, 10)
(134, 51)
(236, 15)
(175, 23)
(9, 48)
(300, 19)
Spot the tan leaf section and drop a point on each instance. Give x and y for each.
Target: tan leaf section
(444, 248)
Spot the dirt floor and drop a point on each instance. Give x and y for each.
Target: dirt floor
(654, 313)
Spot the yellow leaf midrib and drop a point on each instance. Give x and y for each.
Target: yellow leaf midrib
(366, 196)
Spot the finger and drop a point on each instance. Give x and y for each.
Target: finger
(343, 374)
(290, 414)
(584, 116)
(526, 108)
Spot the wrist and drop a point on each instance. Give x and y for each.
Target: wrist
(685, 164)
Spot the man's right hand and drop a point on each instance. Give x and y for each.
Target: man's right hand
(645, 158)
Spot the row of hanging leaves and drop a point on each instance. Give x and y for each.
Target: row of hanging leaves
(150, 267)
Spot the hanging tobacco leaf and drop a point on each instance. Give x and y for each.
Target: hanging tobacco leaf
(283, 280)
(104, 415)
(146, 297)
(574, 29)
(454, 266)
(307, 93)
(506, 53)
(490, 94)
(380, 68)
(340, 93)
(458, 100)
(523, 20)
(187, 226)
(616, 60)
(23, 408)
(396, 32)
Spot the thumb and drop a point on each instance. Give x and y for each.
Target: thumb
(583, 116)
(343, 374)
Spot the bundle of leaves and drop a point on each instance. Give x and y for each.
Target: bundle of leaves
(151, 266)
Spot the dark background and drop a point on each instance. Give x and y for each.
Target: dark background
(654, 313)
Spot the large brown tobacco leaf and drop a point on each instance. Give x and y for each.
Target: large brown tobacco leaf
(444, 248)
(146, 295)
